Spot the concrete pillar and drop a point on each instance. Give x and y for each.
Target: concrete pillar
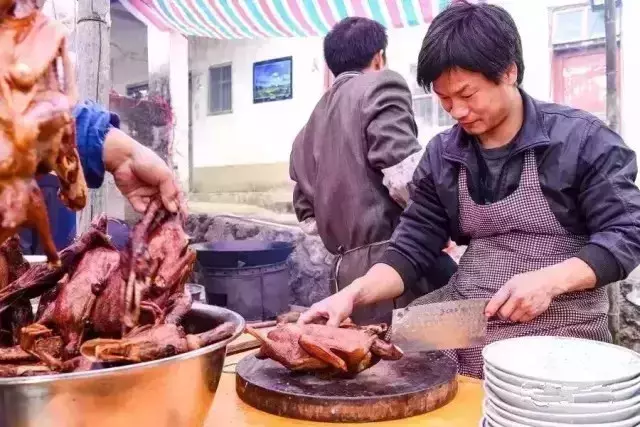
(169, 79)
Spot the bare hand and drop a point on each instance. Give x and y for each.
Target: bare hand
(524, 297)
(333, 309)
(140, 174)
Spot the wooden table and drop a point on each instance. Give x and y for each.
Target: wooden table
(228, 410)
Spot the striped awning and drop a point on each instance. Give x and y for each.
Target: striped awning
(235, 19)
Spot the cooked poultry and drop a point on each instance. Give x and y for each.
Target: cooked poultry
(37, 130)
(152, 342)
(12, 266)
(346, 350)
(84, 302)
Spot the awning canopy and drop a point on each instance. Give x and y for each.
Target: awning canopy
(236, 19)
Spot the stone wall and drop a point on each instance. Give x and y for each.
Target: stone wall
(629, 332)
(309, 263)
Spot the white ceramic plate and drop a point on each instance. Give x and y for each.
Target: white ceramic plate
(563, 360)
(525, 402)
(596, 417)
(494, 411)
(621, 390)
(560, 393)
(496, 420)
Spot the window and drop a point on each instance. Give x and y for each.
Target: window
(220, 90)
(426, 106)
(568, 26)
(579, 24)
(138, 91)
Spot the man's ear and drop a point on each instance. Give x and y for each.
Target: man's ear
(510, 76)
(379, 61)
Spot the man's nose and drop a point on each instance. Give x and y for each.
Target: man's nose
(459, 110)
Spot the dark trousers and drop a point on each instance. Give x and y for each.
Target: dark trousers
(61, 220)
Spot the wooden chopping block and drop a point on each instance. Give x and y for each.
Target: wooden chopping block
(390, 390)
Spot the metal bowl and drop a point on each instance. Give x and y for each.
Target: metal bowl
(176, 391)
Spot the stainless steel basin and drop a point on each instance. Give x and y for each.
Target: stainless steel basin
(173, 392)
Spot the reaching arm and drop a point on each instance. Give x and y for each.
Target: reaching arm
(391, 133)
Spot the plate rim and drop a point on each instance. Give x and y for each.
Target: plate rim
(555, 424)
(497, 402)
(541, 395)
(584, 388)
(486, 355)
(554, 405)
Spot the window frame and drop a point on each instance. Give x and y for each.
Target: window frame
(584, 37)
(133, 88)
(419, 94)
(221, 112)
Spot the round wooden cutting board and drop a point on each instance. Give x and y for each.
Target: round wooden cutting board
(416, 384)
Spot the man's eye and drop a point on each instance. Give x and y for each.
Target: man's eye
(468, 96)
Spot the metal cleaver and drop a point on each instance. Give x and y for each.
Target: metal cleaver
(440, 326)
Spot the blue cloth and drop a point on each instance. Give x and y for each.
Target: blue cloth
(93, 122)
(62, 220)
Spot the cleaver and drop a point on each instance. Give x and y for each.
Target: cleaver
(440, 326)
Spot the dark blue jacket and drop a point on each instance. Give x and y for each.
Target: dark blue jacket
(586, 172)
(92, 125)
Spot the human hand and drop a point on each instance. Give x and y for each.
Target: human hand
(140, 174)
(525, 296)
(333, 309)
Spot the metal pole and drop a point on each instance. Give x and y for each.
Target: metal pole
(93, 63)
(613, 109)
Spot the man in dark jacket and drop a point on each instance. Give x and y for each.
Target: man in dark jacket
(543, 194)
(360, 136)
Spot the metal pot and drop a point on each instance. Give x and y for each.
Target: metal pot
(241, 253)
(176, 391)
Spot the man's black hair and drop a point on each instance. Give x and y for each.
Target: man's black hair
(476, 37)
(352, 43)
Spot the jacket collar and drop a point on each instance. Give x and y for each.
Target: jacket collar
(531, 134)
(346, 76)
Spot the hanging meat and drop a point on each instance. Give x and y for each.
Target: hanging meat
(339, 351)
(101, 306)
(37, 129)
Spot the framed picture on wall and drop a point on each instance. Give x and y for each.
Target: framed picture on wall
(273, 80)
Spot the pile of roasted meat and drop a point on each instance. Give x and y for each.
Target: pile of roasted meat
(332, 351)
(37, 129)
(100, 307)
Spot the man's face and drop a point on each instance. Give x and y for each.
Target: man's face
(476, 103)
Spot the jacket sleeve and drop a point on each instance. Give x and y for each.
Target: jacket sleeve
(423, 229)
(301, 203)
(609, 200)
(92, 125)
(390, 131)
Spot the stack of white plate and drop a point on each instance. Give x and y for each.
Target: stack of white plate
(558, 382)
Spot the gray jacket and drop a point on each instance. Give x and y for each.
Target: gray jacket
(361, 128)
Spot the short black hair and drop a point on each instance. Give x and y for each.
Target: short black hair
(352, 43)
(475, 37)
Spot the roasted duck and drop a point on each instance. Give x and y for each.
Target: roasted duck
(100, 306)
(343, 351)
(37, 129)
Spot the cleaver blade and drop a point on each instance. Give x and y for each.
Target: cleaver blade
(440, 326)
